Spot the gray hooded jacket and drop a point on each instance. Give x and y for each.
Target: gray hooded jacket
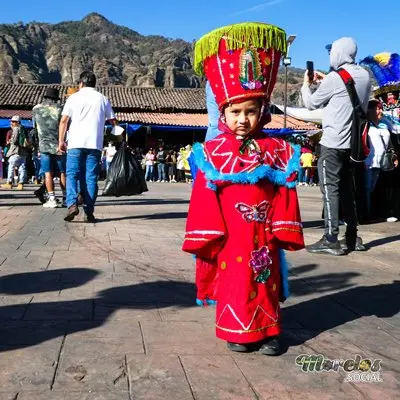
(332, 95)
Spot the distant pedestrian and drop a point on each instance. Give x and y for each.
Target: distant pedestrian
(46, 119)
(17, 143)
(110, 152)
(171, 161)
(161, 164)
(150, 160)
(88, 111)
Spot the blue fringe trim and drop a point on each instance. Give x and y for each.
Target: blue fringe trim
(193, 166)
(284, 266)
(205, 303)
(275, 176)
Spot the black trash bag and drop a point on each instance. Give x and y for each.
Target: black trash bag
(125, 175)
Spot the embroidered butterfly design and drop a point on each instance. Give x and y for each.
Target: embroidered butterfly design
(256, 213)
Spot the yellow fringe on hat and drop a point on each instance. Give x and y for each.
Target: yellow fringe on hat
(247, 34)
(382, 58)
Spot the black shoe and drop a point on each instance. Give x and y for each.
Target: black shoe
(237, 347)
(349, 244)
(73, 211)
(41, 194)
(271, 347)
(325, 247)
(89, 218)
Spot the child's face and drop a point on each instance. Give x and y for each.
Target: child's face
(241, 118)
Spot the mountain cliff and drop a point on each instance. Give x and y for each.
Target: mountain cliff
(58, 53)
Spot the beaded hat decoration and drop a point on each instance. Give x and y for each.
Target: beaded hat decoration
(240, 61)
(386, 70)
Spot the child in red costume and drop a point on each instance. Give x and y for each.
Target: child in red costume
(244, 208)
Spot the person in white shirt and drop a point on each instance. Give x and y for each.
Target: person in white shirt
(379, 140)
(109, 151)
(88, 111)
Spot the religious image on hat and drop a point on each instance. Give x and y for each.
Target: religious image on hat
(386, 70)
(240, 61)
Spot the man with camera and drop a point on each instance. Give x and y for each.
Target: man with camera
(334, 165)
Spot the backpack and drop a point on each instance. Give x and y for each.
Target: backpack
(23, 140)
(359, 143)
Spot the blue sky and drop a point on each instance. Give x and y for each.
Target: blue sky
(316, 23)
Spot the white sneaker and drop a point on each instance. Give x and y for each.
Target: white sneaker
(158, 181)
(50, 203)
(392, 219)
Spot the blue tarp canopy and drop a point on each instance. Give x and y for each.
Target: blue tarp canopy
(132, 128)
(129, 128)
(5, 123)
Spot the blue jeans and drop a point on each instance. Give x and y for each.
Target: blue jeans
(16, 161)
(149, 172)
(108, 163)
(161, 172)
(371, 177)
(85, 163)
(36, 164)
(300, 177)
(213, 114)
(53, 163)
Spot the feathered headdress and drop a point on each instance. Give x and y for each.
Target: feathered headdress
(386, 69)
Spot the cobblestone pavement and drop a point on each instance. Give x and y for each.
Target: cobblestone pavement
(106, 311)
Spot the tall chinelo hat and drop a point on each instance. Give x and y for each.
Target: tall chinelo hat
(386, 70)
(240, 61)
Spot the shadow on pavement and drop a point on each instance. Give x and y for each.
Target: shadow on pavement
(25, 325)
(45, 281)
(108, 201)
(321, 283)
(28, 324)
(16, 204)
(313, 224)
(168, 215)
(333, 310)
(382, 241)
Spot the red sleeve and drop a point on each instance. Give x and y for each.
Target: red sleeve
(285, 225)
(205, 227)
(206, 279)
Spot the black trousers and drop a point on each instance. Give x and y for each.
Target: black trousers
(337, 186)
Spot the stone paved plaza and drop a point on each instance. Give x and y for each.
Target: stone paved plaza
(106, 311)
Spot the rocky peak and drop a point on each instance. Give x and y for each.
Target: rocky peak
(58, 53)
(96, 20)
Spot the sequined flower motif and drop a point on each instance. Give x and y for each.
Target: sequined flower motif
(260, 261)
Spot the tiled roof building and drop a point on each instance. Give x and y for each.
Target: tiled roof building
(152, 99)
(144, 106)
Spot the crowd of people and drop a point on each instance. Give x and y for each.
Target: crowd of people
(244, 208)
(78, 127)
(163, 165)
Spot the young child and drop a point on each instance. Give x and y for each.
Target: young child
(244, 207)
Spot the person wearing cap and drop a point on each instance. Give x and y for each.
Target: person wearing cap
(16, 141)
(88, 110)
(46, 119)
(244, 209)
